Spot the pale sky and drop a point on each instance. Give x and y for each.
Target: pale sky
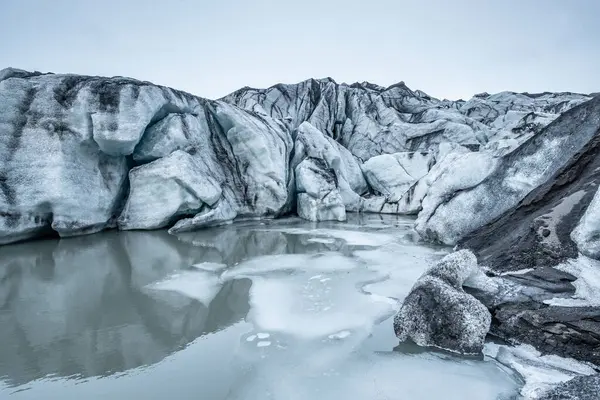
(448, 48)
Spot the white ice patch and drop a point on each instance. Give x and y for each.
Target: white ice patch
(352, 238)
(480, 280)
(263, 335)
(398, 267)
(586, 293)
(321, 240)
(265, 343)
(323, 262)
(540, 373)
(310, 309)
(209, 266)
(558, 212)
(518, 272)
(200, 285)
(340, 335)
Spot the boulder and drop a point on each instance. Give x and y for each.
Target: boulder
(579, 388)
(439, 313)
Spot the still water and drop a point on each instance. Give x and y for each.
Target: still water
(281, 310)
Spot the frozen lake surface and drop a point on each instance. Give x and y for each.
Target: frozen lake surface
(281, 309)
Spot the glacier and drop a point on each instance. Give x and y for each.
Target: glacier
(511, 177)
(116, 147)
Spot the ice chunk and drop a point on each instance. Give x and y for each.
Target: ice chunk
(263, 335)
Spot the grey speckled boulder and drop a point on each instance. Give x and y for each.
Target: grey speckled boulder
(438, 313)
(580, 388)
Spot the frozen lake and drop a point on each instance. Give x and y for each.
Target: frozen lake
(281, 310)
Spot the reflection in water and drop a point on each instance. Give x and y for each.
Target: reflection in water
(81, 307)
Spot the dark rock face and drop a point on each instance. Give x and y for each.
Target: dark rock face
(567, 331)
(580, 388)
(536, 233)
(437, 312)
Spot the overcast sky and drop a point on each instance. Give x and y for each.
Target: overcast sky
(450, 49)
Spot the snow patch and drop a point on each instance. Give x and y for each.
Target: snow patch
(586, 293)
(540, 372)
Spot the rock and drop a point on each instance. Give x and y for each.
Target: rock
(437, 312)
(538, 161)
(547, 278)
(167, 189)
(586, 234)
(318, 196)
(579, 388)
(566, 331)
(554, 309)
